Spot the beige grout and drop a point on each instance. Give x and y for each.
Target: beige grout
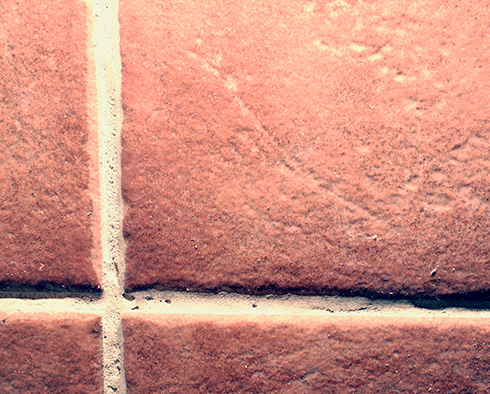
(172, 302)
(177, 302)
(108, 81)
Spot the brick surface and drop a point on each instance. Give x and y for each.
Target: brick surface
(47, 207)
(223, 354)
(48, 354)
(325, 147)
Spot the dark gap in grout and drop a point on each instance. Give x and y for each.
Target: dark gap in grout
(49, 291)
(128, 296)
(475, 305)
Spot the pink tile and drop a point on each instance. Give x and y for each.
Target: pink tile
(320, 147)
(230, 354)
(50, 354)
(48, 149)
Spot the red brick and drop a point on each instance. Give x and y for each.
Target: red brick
(225, 354)
(325, 147)
(48, 203)
(48, 354)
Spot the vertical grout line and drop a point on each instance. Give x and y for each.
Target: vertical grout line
(105, 41)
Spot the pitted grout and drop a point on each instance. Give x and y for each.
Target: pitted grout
(107, 57)
(176, 302)
(173, 302)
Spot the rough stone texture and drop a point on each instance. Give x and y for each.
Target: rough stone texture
(48, 354)
(223, 354)
(46, 204)
(332, 147)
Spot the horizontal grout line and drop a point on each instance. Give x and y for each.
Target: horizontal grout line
(52, 305)
(155, 301)
(431, 303)
(471, 299)
(172, 302)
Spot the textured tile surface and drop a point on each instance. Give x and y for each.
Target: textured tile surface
(47, 354)
(334, 147)
(223, 354)
(46, 205)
